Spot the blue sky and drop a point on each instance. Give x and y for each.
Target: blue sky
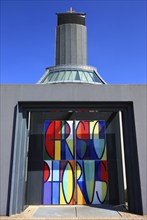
(116, 38)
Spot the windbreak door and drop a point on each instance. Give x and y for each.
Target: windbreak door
(75, 162)
(91, 162)
(59, 163)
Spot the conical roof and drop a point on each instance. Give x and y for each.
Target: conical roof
(71, 74)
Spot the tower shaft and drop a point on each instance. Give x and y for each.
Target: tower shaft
(71, 39)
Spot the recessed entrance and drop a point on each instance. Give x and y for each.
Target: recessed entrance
(75, 162)
(75, 157)
(28, 176)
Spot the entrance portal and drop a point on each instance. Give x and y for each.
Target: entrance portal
(75, 162)
(79, 123)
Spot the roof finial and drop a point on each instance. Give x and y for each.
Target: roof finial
(70, 10)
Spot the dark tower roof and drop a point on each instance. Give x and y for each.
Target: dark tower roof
(71, 18)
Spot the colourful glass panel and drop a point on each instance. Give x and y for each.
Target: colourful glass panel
(59, 163)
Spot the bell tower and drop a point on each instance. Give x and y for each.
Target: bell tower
(71, 52)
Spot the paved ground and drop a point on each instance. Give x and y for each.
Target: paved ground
(74, 213)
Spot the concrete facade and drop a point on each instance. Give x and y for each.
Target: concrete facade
(12, 94)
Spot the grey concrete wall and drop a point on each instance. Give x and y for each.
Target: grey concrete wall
(71, 44)
(11, 94)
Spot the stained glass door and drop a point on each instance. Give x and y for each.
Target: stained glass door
(92, 174)
(59, 163)
(75, 165)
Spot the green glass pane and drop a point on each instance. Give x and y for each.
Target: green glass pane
(77, 77)
(60, 76)
(54, 76)
(82, 76)
(67, 75)
(72, 75)
(88, 76)
(45, 80)
(50, 76)
(94, 77)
